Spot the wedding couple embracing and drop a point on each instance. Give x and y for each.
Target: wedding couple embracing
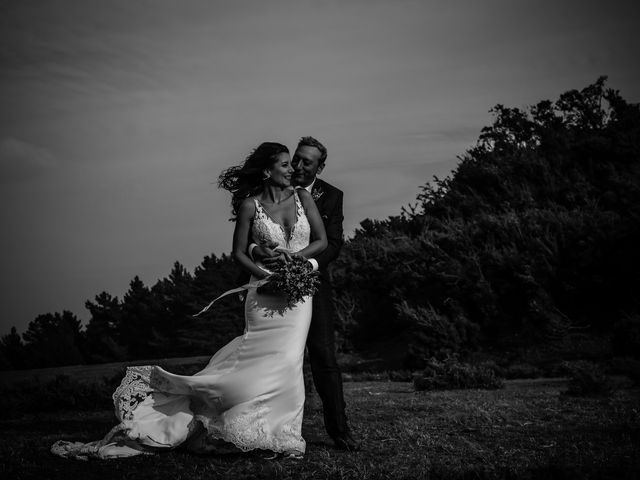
(251, 394)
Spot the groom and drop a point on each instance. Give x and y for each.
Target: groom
(308, 162)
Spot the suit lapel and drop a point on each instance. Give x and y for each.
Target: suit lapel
(318, 190)
(319, 195)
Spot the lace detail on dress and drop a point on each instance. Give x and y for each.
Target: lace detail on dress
(289, 437)
(134, 388)
(98, 448)
(249, 430)
(265, 229)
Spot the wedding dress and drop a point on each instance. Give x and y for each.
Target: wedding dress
(251, 393)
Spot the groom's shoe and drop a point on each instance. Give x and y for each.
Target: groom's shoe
(345, 441)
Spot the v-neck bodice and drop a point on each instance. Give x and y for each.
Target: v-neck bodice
(265, 229)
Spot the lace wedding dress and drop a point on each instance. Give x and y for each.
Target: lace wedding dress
(250, 394)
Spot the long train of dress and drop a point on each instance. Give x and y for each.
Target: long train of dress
(251, 393)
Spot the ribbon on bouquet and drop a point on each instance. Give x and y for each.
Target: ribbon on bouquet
(242, 288)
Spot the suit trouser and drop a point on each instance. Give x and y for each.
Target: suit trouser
(322, 357)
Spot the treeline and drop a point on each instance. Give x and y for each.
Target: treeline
(533, 236)
(148, 322)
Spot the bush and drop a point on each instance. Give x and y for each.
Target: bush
(522, 370)
(587, 378)
(491, 365)
(626, 336)
(626, 366)
(454, 375)
(531, 239)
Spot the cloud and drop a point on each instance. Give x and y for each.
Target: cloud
(21, 161)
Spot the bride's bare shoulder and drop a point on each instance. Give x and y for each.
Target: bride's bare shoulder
(247, 208)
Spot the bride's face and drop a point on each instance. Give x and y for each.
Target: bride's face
(282, 170)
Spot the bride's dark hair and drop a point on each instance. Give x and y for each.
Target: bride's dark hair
(244, 181)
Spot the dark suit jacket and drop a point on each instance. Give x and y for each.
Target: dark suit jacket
(329, 202)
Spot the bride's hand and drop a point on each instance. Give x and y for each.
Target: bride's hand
(265, 251)
(280, 258)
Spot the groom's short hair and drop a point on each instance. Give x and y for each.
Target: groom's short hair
(312, 142)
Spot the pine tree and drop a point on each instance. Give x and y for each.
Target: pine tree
(141, 314)
(54, 339)
(103, 343)
(12, 351)
(177, 300)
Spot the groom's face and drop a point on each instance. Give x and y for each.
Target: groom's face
(306, 165)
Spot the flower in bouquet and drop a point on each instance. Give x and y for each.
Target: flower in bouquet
(295, 280)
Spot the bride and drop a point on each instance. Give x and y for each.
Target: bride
(251, 393)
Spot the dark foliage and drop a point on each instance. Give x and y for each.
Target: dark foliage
(53, 340)
(12, 351)
(103, 336)
(522, 370)
(533, 237)
(452, 374)
(587, 378)
(627, 366)
(626, 335)
(154, 322)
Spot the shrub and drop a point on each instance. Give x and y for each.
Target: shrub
(522, 370)
(451, 374)
(587, 378)
(493, 366)
(532, 238)
(626, 366)
(434, 334)
(626, 336)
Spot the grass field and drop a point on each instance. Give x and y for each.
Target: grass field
(529, 429)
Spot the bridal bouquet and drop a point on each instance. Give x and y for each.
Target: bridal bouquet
(294, 280)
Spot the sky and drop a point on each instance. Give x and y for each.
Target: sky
(117, 116)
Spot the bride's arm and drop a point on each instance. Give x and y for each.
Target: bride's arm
(241, 238)
(318, 233)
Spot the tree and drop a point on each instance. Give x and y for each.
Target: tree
(141, 313)
(54, 339)
(176, 297)
(533, 234)
(12, 351)
(103, 342)
(206, 333)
